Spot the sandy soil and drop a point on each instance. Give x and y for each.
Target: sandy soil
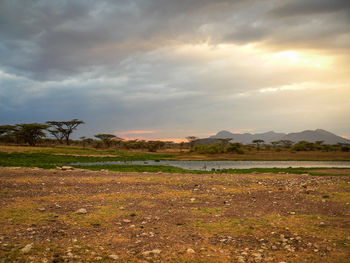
(85, 216)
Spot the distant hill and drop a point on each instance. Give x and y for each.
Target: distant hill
(307, 135)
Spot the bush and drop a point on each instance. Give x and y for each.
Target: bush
(234, 148)
(209, 149)
(345, 148)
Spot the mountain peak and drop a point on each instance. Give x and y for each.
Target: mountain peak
(270, 136)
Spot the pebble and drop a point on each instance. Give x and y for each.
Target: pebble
(126, 221)
(81, 211)
(240, 259)
(257, 257)
(115, 257)
(154, 251)
(190, 251)
(66, 168)
(27, 248)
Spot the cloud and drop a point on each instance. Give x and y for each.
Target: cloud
(175, 67)
(310, 7)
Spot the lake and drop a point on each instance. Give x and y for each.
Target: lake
(209, 165)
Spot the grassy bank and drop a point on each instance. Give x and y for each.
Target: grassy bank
(45, 160)
(49, 161)
(253, 155)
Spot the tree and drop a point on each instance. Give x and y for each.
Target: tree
(225, 141)
(234, 148)
(258, 142)
(153, 146)
(191, 139)
(105, 138)
(7, 133)
(6, 129)
(31, 132)
(286, 143)
(63, 129)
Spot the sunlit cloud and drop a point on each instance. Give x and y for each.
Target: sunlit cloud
(135, 67)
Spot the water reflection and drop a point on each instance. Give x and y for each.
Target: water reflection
(209, 165)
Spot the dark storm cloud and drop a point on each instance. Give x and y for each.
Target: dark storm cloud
(311, 7)
(116, 63)
(55, 39)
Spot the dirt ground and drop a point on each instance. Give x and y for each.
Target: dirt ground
(86, 216)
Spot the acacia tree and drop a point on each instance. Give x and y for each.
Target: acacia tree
(105, 138)
(7, 133)
(6, 129)
(31, 132)
(63, 129)
(153, 146)
(258, 142)
(286, 143)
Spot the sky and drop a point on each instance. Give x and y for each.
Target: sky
(164, 69)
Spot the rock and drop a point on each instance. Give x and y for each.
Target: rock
(193, 199)
(240, 259)
(190, 251)
(292, 213)
(156, 251)
(27, 248)
(70, 255)
(81, 211)
(126, 221)
(115, 257)
(257, 257)
(41, 209)
(66, 168)
(98, 258)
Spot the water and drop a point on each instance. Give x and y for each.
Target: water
(209, 165)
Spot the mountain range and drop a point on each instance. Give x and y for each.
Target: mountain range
(271, 136)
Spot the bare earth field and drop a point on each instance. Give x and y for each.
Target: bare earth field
(87, 216)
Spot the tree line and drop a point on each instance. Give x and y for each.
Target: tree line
(61, 131)
(228, 146)
(31, 133)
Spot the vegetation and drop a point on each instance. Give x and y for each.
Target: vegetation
(29, 132)
(258, 142)
(63, 129)
(218, 148)
(106, 138)
(45, 160)
(49, 161)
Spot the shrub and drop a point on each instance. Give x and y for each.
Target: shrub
(234, 148)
